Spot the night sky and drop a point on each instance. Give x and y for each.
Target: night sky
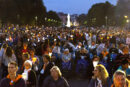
(73, 6)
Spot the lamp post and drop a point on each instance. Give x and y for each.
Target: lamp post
(125, 16)
(106, 22)
(36, 19)
(127, 20)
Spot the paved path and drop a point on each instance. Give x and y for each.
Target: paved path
(78, 83)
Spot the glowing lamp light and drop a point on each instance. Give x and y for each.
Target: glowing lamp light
(125, 16)
(127, 21)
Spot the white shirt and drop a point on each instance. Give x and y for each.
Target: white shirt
(99, 83)
(56, 49)
(127, 40)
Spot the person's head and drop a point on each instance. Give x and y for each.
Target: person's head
(25, 56)
(12, 68)
(28, 64)
(113, 46)
(96, 58)
(19, 44)
(119, 79)
(125, 64)
(25, 45)
(46, 58)
(93, 43)
(66, 51)
(32, 52)
(55, 72)
(105, 49)
(83, 50)
(101, 73)
(9, 51)
(80, 44)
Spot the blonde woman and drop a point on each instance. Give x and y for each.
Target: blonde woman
(56, 79)
(120, 80)
(100, 78)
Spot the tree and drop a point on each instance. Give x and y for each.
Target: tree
(122, 9)
(53, 19)
(96, 15)
(22, 11)
(82, 19)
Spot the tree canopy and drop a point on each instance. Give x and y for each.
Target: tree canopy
(23, 12)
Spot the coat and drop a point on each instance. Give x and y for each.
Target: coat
(46, 73)
(50, 82)
(94, 82)
(6, 83)
(31, 79)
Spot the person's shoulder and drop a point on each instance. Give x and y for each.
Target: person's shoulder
(63, 79)
(21, 80)
(4, 80)
(93, 80)
(48, 78)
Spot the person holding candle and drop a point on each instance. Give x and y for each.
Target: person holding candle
(100, 78)
(56, 79)
(45, 69)
(29, 75)
(34, 59)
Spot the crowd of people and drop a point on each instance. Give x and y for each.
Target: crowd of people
(49, 56)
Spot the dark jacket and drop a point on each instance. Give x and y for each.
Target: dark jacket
(6, 83)
(61, 82)
(46, 73)
(94, 82)
(31, 82)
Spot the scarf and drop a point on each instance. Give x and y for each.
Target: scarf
(12, 82)
(25, 74)
(104, 53)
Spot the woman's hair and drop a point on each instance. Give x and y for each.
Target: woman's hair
(29, 62)
(13, 63)
(103, 73)
(119, 72)
(9, 52)
(57, 70)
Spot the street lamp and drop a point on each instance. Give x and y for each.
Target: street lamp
(45, 18)
(106, 20)
(127, 20)
(36, 19)
(126, 16)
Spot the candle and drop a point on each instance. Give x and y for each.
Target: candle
(34, 59)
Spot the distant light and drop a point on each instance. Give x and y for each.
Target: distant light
(125, 16)
(127, 21)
